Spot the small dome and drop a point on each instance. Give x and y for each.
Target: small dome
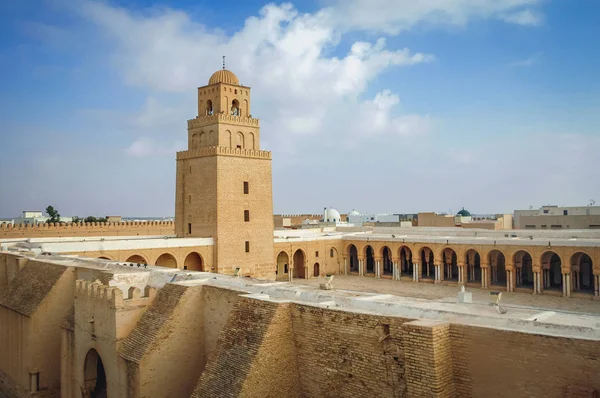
(463, 213)
(332, 215)
(224, 76)
(354, 213)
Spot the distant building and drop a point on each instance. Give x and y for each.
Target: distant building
(114, 219)
(556, 217)
(464, 219)
(383, 219)
(34, 217)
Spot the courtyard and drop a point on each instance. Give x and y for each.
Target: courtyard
(448, 293)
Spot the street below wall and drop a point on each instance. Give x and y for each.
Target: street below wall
(448, 293)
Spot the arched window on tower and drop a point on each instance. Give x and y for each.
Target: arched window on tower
(209, 107)
(235, 108)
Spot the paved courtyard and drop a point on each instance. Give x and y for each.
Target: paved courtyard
(445, 293)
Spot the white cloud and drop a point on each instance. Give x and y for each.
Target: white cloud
(280, 54)
(527, 62)
(145, 147)
(524, 17)
(394, 16)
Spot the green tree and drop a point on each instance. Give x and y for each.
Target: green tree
(53, 214)
(91, 219)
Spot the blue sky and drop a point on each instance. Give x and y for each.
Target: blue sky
(378, 105)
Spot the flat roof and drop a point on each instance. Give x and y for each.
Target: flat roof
(518, 318)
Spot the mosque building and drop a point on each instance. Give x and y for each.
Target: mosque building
(218, 303)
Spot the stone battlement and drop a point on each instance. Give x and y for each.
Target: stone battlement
(219, 150)
(222, 118)
(113, 296)
(125, 228)
(47, 226)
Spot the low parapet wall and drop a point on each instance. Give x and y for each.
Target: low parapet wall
(129, 228)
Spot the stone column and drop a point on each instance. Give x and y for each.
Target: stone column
(484, 276)
(416, 272)
(568, 274)
(377, 268)
(461, 272)
(596, 285)
(345, 266)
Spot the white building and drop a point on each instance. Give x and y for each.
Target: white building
(36, 217)
(557, 217)
(359, 219)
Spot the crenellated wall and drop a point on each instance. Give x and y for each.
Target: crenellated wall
(128, 228)
(103, 317)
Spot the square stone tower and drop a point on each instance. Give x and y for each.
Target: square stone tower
(224, 187)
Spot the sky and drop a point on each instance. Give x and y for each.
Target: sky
(390, 106)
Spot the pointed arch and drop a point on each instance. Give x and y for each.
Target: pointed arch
(582, 273)
(283, 265)
(239, 140)
(193, 262)
(137, 259)
(352, 258)
(299, 263)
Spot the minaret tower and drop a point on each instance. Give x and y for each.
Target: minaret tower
(224, 187)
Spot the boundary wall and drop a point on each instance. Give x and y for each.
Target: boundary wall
(128, 228)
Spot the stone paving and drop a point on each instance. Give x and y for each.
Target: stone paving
(446, 293)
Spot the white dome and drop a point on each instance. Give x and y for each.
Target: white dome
(332, 215)
(354, 213)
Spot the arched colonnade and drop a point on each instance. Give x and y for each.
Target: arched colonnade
(561, 270)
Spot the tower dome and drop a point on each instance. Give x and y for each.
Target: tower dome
(224, 76)
(463, 213)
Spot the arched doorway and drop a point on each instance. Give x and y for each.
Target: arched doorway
(299, 260)
(388, 265)
(552, 274)
(316, 270)
(137, 259)
(353, 258)
(497, 263)
(370, 260)
(406, 260)
(94, 376)
(582, 273)
(166, 260)
(473, 266)
(427, 267)
(524, 269)
(450, 265)
(283, 261)
(193, 262)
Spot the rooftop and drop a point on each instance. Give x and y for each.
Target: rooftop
(384, 297)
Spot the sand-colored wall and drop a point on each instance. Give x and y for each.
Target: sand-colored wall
(152, 228)
(501, 363)
(315, 252)
(150, 256)
(30, 337)
(103, 317)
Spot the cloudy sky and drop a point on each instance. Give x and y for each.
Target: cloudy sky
(374, 105)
